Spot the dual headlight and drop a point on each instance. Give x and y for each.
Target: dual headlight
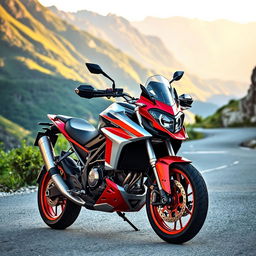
(169, 122)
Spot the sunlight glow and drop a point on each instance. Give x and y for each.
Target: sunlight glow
(242, 11)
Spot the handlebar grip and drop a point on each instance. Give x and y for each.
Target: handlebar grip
(87, 91)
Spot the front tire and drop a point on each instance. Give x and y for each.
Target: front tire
(59, 212)
(182, 219)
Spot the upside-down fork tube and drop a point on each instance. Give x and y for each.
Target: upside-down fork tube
(48, 157)
(163, 170)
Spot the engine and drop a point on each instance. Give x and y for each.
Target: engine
(95, 176)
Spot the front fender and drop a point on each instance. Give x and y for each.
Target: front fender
(163, 170)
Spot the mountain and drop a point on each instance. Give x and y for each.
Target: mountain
(34, 38)
(118, 31)
(218, 49)
(42, 61)
(11, 134)
(153, 54)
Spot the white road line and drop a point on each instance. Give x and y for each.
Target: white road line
(204, 152)
(216, 168)
(219, 167)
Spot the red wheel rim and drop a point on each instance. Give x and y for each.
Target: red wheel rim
(50, 212)
(183, 222)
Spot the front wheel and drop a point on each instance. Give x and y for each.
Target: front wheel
(56, 211)
(180, 220)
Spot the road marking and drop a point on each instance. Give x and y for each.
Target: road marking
(204, 152)
(220, 167)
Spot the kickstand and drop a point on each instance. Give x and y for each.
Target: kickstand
(122, 215)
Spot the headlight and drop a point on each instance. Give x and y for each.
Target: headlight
(169, 122)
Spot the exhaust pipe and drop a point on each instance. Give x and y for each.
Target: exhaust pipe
(48, 157)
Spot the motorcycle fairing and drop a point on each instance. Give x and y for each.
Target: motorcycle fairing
(173, 110)
(121, 132)
(115, 198)
(163, 170)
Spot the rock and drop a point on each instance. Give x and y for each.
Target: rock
(230, 117)
(248, 103)
(246, 113)
(249, 144)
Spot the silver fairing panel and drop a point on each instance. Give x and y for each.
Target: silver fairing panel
(116, 113)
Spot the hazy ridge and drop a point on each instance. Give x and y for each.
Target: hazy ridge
(218, 49)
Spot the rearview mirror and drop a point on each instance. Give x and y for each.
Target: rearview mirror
(177, 75)
(185, 101)
(94, 68)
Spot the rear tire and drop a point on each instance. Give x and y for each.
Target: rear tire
(68, 211)
(194, 211)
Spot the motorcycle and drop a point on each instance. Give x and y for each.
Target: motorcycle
(128, 162)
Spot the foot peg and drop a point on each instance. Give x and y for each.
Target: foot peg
(122, 215)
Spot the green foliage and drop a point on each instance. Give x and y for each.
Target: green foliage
(19, 167)
(32, 99)
(193, 134)
(215, 121)
(198, 119)
(61, 144)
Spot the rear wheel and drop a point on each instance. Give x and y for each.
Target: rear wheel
(57, 211)
(180, 220)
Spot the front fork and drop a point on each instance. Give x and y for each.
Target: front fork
(152, 158)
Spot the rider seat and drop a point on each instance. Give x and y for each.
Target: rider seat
(79, 129)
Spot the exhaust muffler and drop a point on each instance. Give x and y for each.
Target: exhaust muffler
(47, 152)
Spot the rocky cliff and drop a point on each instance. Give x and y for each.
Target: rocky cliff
(246, 112)
(248, 103)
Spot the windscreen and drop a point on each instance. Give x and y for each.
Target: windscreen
(160, 89)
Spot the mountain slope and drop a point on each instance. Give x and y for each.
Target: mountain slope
(152, 53)
(11, 134)
(148, 50)
(42, 60)
(219, 49)
(34, 37)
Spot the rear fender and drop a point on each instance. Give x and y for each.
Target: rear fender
(163, 170)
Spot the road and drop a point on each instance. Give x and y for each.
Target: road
(230, 228)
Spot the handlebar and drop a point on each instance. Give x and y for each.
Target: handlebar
(108, 93)
(88, 91)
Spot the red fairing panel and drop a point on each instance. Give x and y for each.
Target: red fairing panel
(124, 126)
(112, 196)
(173, 110)
(163, 170)
(108, 150)
(119, 132)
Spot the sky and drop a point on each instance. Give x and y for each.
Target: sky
(242, 11)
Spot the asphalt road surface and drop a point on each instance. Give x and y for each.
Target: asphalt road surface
(230, 227)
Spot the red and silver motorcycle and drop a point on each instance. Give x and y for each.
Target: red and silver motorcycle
(129, 161)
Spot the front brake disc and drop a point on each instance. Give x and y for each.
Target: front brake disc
(174, 211)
